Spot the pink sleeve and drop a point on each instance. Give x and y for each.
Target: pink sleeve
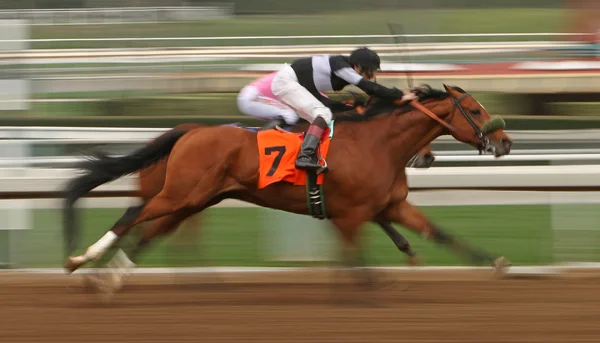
(264, 85)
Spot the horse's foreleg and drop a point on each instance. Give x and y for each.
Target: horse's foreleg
(401, 243)
(404, 213)
(352, 252)
(183, 197)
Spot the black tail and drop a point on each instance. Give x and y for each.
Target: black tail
(102, 169)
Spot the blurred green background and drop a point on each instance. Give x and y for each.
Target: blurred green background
(280, 18)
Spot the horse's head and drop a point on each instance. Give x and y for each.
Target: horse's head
(422, 159)
(469, 116)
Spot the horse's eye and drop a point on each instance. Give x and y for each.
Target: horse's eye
(475, 112)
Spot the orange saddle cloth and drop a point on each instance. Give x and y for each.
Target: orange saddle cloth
(277, 152)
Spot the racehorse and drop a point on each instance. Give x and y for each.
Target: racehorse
(367, 180)
(151, 181)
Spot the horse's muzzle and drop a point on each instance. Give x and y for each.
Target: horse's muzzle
(498, 147)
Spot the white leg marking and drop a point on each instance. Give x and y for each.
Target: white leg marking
(99, 248)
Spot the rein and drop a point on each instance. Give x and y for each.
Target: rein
(477, 138)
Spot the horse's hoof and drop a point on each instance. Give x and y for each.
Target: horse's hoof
(415, 261)
(73, 263)
(501, 264)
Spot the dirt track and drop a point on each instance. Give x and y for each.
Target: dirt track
(293, 307)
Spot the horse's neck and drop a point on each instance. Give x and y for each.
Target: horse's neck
(411, 131)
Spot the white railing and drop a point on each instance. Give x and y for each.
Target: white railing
(66, 132)
(135, 133)
(285, 46)
(275, 49)
(575, 177)
(70, 162)
(118, 15)
(289, 51)
(311, 37)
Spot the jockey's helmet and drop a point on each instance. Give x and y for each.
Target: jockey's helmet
(365, 58)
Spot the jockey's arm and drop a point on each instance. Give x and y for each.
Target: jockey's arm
(375, 89)
(371, 88)
(334, 106)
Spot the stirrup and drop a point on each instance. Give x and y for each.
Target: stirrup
(280, 129)
(323, 168)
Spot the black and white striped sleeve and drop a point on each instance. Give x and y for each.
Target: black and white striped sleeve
(342, 69)
(378, 90)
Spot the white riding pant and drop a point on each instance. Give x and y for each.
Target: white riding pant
(252, 102)
(286, 88)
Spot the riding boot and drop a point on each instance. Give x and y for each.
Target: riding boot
(274, 123)
(307, 158)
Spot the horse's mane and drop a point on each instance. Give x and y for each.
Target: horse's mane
(379, 106)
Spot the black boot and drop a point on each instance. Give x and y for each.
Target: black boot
(273, 123)
(307, 158)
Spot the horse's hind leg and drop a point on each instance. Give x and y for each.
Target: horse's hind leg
(122, 264)
(184, 193)
(187, 245)
(160, 227)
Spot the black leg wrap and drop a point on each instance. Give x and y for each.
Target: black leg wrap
(475, 255)
(401, 243)
(442, 237)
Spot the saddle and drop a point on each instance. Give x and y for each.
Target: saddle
(278, 149)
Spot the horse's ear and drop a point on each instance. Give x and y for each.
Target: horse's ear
(451, 90)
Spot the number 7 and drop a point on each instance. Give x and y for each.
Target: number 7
(280, 151)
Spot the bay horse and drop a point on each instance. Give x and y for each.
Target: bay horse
(151, 181)
(367, 181)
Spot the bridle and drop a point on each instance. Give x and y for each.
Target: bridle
(478, 139)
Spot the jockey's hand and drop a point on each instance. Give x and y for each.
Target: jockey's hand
(409, 97)
(354, 103)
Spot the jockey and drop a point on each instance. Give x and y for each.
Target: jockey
(257, 100)
(300, 84)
